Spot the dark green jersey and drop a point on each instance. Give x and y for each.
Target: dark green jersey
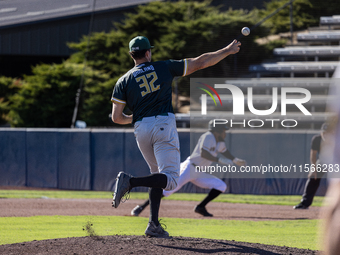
(146, 88)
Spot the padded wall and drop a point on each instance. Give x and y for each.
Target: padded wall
(184, 141)
(42, 158)
(12, 157)
(91, 158)
(74, 168)
(107, 157)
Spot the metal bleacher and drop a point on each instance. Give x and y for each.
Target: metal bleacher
(307, 52)
(315, 44)
(315, 36)
(330, 20)
(265, 83)
(306, 67)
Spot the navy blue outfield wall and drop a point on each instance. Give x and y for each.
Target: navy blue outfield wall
(90, 159)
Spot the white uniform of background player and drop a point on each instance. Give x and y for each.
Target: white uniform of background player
(201, 179)
(208, 149)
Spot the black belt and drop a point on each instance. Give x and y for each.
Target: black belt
(162, 114)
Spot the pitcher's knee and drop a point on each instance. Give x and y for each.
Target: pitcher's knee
(172, 179)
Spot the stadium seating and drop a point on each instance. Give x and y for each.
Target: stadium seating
(319, 44)
(307, 67)
(326, 36)
(307, 52)
(320, 84)
(332, 20)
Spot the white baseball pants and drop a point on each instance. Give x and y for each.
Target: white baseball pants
(157, 139)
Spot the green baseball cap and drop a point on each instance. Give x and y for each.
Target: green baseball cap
(139, 43)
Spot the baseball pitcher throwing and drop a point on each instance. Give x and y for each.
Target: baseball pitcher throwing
(146, 89)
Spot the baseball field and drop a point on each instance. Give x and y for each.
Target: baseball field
(83, 222)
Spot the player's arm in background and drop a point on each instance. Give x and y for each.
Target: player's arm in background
(236, 161)
(221, 159)
(118, 116)
(313, 158)
(227, 158)
(206, 154)
(211, 58)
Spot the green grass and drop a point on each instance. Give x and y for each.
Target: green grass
(297, 233)
(67, 194)
(225, 198)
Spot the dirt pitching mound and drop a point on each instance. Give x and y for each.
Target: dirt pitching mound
(143, 245)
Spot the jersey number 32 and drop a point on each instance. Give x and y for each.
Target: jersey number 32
(147, 83)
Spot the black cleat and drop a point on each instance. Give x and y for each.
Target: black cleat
(137, 210)
(156, 231)
(121, 188)
(300, 206)
(202, 211)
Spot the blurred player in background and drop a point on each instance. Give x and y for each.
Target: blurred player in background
(207, 150)
(147, 91)
(330, 228)
(314, 177)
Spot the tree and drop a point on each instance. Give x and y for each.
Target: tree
(46, 98)
(8, 87)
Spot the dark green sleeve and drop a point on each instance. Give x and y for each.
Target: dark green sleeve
(118, 94)
(177, 67)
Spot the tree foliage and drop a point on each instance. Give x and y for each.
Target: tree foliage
(8, 87)
(47, 98)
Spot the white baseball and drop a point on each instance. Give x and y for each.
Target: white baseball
(245, 31)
